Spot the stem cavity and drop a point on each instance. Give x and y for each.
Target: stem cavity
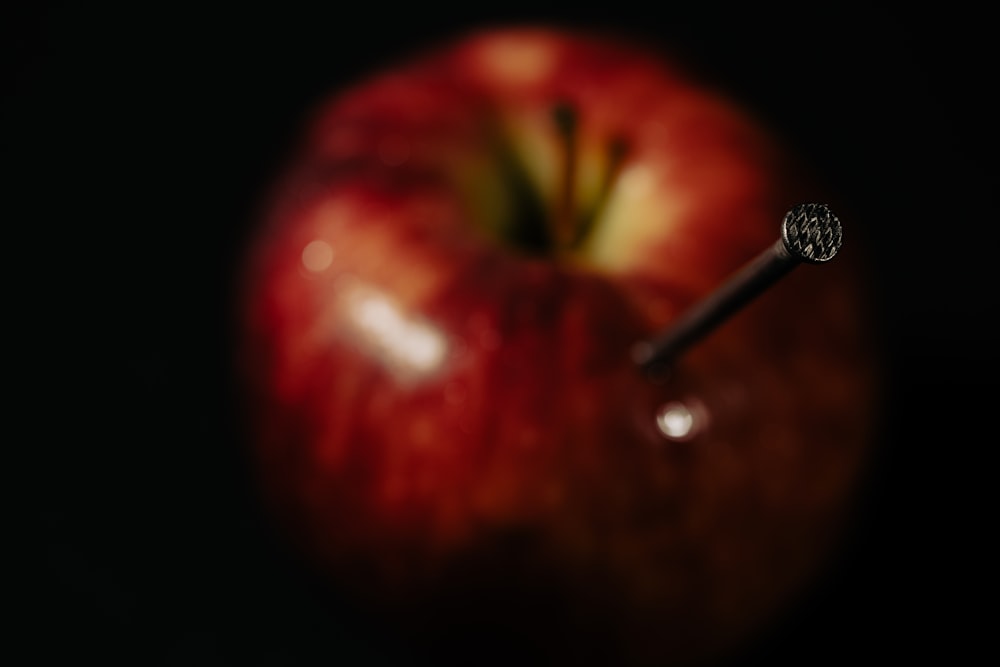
(559, 224)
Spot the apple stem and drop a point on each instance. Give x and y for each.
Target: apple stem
(568, 228)
(564, 223)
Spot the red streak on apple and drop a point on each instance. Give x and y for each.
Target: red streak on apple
(450, 425)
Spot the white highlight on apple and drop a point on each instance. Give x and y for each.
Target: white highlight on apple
(677, 421)
(638, 181)
(317, 256)
(638, 212)
(409, 347)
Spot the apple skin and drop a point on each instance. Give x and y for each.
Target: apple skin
(452, 430)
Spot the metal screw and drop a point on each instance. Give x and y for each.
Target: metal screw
(810, 233)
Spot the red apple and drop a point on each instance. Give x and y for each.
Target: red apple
(439, 312)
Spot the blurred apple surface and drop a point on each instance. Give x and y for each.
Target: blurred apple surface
(439, 309)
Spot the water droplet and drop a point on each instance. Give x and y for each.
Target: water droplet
(317, 256)
(680, 421)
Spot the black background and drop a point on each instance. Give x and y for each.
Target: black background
(137, 142)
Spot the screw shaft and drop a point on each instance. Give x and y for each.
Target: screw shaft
(811, 226)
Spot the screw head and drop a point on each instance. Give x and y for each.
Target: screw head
(811, 233)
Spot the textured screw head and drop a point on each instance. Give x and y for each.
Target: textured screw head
(811, 233)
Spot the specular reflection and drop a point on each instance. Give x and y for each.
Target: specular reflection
(408, 346)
